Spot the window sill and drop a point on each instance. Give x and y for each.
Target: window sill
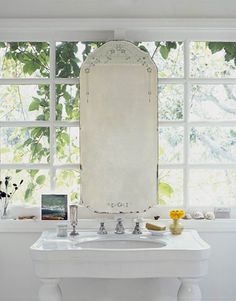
(38, 226)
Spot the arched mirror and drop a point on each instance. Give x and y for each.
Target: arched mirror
(118, 130)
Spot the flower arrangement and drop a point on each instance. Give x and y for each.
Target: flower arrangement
(7, 194)
(176, 228)
(177, 214)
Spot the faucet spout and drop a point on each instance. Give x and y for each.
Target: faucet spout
(119, 227)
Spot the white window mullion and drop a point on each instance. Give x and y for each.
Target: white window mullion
(23, 166)
(67, 81)
(66, 123)
(177, 81)
(52, 113)
(172, 123)
(24, 124)
(186, 120)
(199, 166)
(24, 81)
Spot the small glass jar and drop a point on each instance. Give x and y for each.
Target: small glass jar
(176, 228)
(62, 230)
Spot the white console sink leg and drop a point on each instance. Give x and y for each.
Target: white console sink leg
(189, 290)
(50, 290)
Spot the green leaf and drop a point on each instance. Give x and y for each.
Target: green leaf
(161, 151)
(40, 180)
(34, 105)
(33, 172)
(29, 191)
(28, 142)
(161, 201)
(143, 48)
(74, 196)
(215, 46)
(171, 45)
(44, 103)
(65, 137)
(164, 52)
(41, 117)
(165, 189)
(36, 147)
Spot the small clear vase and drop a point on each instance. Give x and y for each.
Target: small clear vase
(176, 228)
(4, 213)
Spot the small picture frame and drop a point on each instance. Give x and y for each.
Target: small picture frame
(54, 207)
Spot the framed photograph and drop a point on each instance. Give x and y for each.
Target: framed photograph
(54, 207)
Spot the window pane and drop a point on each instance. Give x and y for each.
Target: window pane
(67, 107)
(67, 145)
(212, 59)
(213, 102)
(35, 183)
(168, 56)
(24, 59)
(213, 144)
(170, 187)
(212, 187)
(24, 145)
(171, 144)
(68, 181)
(171, 102)
(24, 102)
(70, 55)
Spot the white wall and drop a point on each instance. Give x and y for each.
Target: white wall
(18, 283)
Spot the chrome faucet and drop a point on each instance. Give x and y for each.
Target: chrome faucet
(137, 229)
(102, 230)
(119, 227)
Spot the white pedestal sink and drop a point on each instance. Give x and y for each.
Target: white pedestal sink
(120, 256)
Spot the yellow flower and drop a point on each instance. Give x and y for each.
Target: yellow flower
(176, 214)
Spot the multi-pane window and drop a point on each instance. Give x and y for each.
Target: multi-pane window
(39, 118)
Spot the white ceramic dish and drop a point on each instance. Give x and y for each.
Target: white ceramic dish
(158, 233)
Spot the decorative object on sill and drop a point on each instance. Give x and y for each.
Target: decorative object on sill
(197, 215)
(222, 212)
(156, 217)
(54, 207)
(209, 215)
(6, 196)
(33, 217)
(155, 227)
(156, 230)
(62, 230)
(176, 227)
(19, 209)
(74, 219)
(187, 216)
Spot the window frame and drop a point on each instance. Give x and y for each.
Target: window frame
(57, 30)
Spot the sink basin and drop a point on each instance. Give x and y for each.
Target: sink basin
(113, 244)
(120, 256)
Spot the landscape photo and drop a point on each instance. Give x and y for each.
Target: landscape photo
(54, 207)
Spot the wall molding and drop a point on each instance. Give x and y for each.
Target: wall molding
(62, 24)
(106, 28)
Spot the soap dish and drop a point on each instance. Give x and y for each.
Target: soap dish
(158, 233)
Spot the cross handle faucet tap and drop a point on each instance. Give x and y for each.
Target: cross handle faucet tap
(119, 227)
